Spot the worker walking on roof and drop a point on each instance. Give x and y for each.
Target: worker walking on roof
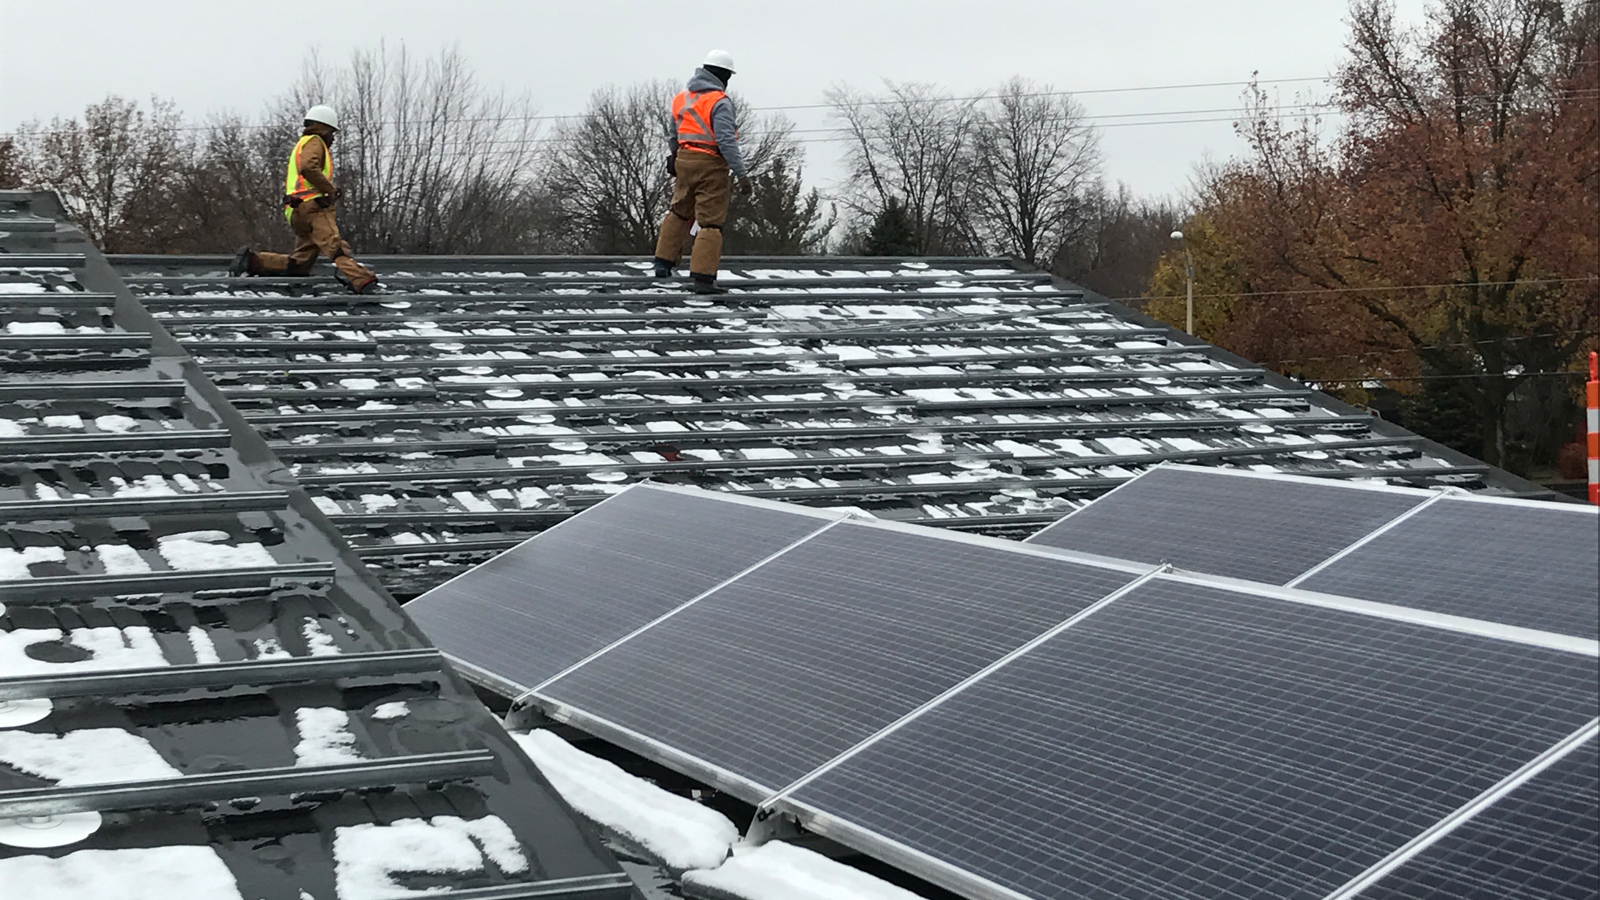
(308, 201)
(705, 160)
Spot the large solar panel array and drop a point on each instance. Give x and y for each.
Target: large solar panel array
(1514, 562)
(1029, 722)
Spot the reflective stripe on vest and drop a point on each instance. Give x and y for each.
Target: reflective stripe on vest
(692, 114)
(296, 186)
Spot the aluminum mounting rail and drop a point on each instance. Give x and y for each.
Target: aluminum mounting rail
(509, 474)
(42, 260)
(500, 364)
(443, 548)
(416, 769)
(113, 444)
(746, 301)
(164, 389)
(182, 504)
(604, 439)
(99, 343)
(89, 587)
(220, 675)
(58, 299)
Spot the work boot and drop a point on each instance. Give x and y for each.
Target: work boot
(370, 286)
(664, 267)
(243, 263)
(705, 284)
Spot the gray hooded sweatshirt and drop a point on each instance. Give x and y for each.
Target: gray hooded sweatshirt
(722, 121)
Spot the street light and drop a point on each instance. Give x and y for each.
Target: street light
(1189, 273)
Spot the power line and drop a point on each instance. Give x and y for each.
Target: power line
(1366, 290)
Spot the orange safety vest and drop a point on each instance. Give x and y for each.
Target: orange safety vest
(294, 184)
(692, 114)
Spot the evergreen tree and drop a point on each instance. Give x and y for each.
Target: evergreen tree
(892, 232)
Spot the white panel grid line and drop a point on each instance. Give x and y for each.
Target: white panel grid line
(1371, 536)
(936, 701)
(1515, 633)
(677, 609)
(1467, 812)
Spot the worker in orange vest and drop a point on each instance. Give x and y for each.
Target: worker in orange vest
(309, 197)
(705, 160)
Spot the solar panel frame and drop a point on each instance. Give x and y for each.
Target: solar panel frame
(1366, 569)
(971, 884)
(1433, 851)
(595, 721)
(456, 621)
(1296, 523)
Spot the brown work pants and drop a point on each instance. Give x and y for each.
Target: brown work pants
(701, 195)
(316, 230)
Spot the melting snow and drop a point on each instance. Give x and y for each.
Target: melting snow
(139, 873)
(199, 550)
(35, 328)
(116, 424)
(679, 832)
(366, 857)
(318, 641)
(325, 738)
(204, 650)
(778, 871)
(109, 648)
(393, 710)
(14, 563)
(120, 559)
(89, 756)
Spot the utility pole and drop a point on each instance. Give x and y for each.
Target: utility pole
(1189, 274)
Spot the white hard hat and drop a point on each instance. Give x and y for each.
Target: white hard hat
(722, 59)
(323, 114)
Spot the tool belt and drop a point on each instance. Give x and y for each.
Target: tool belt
(294, 202)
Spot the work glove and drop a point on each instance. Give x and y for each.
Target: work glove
(672, 164)
(746, 186)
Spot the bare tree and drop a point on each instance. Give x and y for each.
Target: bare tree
(912, 143)
(605, 171)
(1123, 238)
(1035, 166)
(11, 170)
(430, 160)
(113, 170)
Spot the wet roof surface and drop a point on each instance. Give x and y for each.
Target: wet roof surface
(488, 398)
(195, 672)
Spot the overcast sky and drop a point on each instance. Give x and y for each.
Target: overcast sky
(56, 56)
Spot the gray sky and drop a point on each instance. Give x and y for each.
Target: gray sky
(58, 56)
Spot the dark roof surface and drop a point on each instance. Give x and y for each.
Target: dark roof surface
(190, 652)
(488, 398)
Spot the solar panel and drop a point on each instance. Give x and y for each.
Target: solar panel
(534, 610)
(1226, 523)
(779, 671)
(1533, 565)
(1540, 842)
(1187, 741)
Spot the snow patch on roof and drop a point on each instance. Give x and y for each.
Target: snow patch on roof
(200, 550)
(109, 648)
(88, 756)
(325, 738)
(367, 856)
(14, 563)
(778, 871)
(137, 873)
(679, 832)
